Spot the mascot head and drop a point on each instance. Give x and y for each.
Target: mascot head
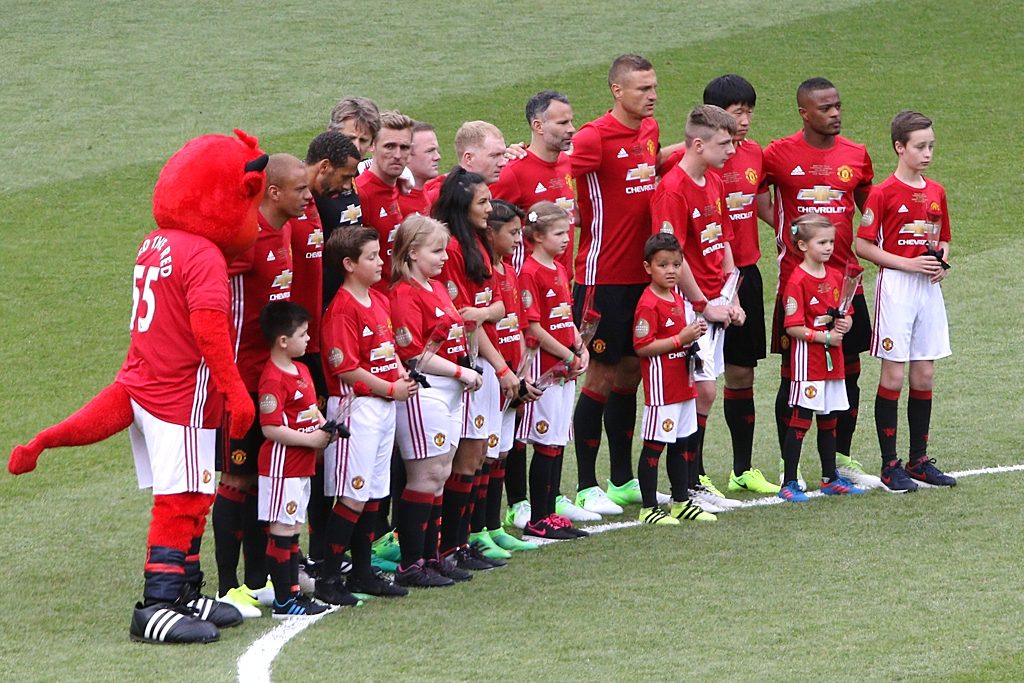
(212, 187)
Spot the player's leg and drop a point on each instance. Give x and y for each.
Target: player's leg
(920, 466)
(799, 423)
(597, 384)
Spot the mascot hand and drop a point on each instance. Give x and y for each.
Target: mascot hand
(213, 337)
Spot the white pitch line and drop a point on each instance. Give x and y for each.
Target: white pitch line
(255, 663)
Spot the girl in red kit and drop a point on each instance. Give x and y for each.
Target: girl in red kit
(429, 424)
(464, 203)
(816, 356)
(547, 422)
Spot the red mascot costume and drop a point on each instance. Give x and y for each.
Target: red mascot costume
(179, 379)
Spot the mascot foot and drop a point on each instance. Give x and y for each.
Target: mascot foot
(24, 458)
(167, 623)
(220, 614)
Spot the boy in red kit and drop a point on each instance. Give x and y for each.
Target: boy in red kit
(905, 231)
(670, 413)
(817, 386)
(290, 421)
(690, 203)
(378, 186)
(261, 275)
(816, 170)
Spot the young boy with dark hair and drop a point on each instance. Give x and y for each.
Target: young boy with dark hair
(290, 421)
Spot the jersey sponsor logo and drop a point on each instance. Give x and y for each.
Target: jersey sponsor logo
(316, 238)
(335, 357)
(358, 483)
(845, 173)
(291, 507)
(916, 228)
(403, 337)
(352, 214)
(238, 456)
(642, 328)
(668, 426)
(737, 200)
(509, 322)
(439, 439)
(453, 290)
(819, 194)
(797, 171)
(562, 311)
(268, 403)
(385, 351)
(367, 332)
(751, 176)
(822, 321)
(540, 189)
(456, 332)
(392, 235)
(567, 204)
(867, 218)
(643, 172)
(666, 226)
(810, 392)
(309, 414)
(622, 153)
(791, 305)
(483, 297)
(711, 233)
(542, 427)
(283, 280)
(887, 344)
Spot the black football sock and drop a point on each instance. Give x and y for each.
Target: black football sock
(227, 536)
(541, 466)
(647, 471)
(887, 406)
(827, 445)
(482, 487)
(515, 473)
(279, 559)
(432, 532)
(456, 498)
(556, 478)
(846, 420)
(919, 417)
(254, 542)
(495, 486)
(799, 423)
(317, 513)
(702, 425)
(738, 407)
(677, 469)
(782, 412)
(411, 521)
(362, 539)
(690, 457)
(586, 425)
(619, 423)
(339, 536)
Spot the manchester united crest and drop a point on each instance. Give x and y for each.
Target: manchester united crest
(887, 344)
(668, 426)
(492, 441)
(810, 392)
(438, 439)
(542, 427)
(845, 173)
(207, 476)
(599, 346)
(238, 456)
(751, 176)
(358, 483)
(291, 507)
(478, 421)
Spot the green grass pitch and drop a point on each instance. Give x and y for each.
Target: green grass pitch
(95, 96)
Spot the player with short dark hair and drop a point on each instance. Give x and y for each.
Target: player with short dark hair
(817, 170)
(905, 231)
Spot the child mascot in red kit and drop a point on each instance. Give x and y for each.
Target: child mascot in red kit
(179, 378)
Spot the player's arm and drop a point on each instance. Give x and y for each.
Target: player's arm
(659, 347)
(665, 153)
(831, 338)
(398, 390)
(286, 436)
(925, 263)
(765, 210)
(481, 314)
(506, 378)
(551, 345)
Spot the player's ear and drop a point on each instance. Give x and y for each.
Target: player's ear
(647, 267)
(348, 265)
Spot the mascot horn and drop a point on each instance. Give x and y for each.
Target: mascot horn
(179, 382)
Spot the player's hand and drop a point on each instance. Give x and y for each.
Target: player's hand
(835, 338)
(843, 325)
(517, 150)
(477, 315)
(737, 316)
(717, 313)
(532, 393)
(404, 388)
(692, 332)
(938, 276)
(509, 384)
(580, 365)
(241, 412)
(925, 264)
(471, 378)
(319, 439)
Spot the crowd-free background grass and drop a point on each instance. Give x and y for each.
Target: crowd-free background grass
(93, 99)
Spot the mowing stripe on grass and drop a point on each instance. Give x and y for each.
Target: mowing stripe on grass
(255, 663)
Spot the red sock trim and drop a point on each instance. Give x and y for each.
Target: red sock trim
(921, 394)
(345, 512)
(372, 506)
(458, 483)
(655, 446)
(827, 425)
(738, 394)
(547, 451)
(888, 394)
(593, 395)
(419, 497)
(853, 367)
(231, 493)
(702, 420)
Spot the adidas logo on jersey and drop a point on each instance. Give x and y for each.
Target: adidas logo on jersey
(303, 216)
(438, 313)
(903, 209)
(695, 214)
(797, 171)
(622, 153)
(367, 332)
(540, 189)
(670, 323)
(814, 300)
(297, 396)
(551, 292)
(271, 257)
(383, 213)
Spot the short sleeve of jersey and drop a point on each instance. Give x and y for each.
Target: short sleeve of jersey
(873, 215)
(529, 297)
(408, 322)
(272, 398)
(645, 325)
(453, 275)
(794, 302)
(243, 263)
(669, 214)
(507, 186)
(868, 171)
(344, 337)
(206, 281)
(586, 151)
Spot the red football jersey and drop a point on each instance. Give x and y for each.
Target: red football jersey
(416, 312)
(898, 217)
(694, 214)
(431, 191)
(807, 300)
(357, 336)
(462, 290)
(507, 333)
(667, 378)
(413, 202)
(379, 202)
(261, 275)
(287, 400)
(812, 180)
(547, 300)
(307, 258)
(615, 171)
(176, 273)
(529, 180)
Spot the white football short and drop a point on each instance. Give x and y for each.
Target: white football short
(502, 441)
(283, 499)
(910, 318)
(548, 420)
(430, 422)
(668, 424)
(172, 458)
(359, 467)
(823, 397)
(480, 410)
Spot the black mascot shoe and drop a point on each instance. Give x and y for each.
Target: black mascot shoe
(168, 623)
